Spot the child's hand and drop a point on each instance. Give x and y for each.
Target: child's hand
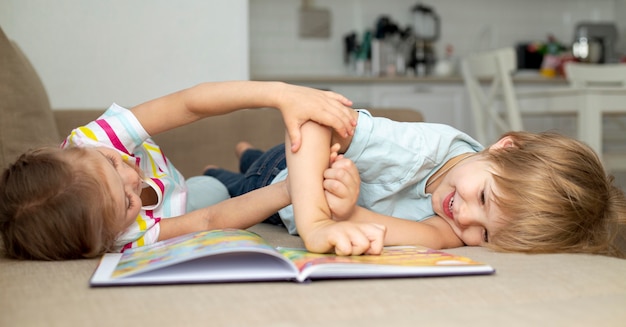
(341, 186)
(347, 238)
(300, 104)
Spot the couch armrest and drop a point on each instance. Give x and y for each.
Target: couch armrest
(68, 119)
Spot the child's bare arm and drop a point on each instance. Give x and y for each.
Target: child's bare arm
(312, 214)
(433, 232)
(239, 212)
(297, 104)
(306, 167)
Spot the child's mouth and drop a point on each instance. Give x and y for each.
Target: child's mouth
(447, 205)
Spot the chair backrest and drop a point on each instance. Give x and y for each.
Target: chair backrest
(586, 75)
(495, 66)
(595, 75)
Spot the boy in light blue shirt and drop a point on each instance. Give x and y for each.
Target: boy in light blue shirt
(432, 185)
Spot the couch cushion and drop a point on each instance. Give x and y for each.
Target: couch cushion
(26, 119)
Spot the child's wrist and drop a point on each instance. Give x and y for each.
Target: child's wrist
(276, 94)
(315, 236)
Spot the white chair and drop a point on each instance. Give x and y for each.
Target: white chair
(595, 91)
(489, 120)
(606, 80)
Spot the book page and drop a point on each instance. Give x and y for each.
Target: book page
(188, 247)
(394, 261)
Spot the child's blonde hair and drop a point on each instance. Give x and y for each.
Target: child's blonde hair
(557, 197)
(54, 205)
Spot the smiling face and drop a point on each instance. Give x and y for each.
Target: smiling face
(124, 182)
(464, 198)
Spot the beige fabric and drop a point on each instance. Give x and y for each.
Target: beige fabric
(25, 117)
(527, 290)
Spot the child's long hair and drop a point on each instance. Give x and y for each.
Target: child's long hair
(55, 207)
(557, 197)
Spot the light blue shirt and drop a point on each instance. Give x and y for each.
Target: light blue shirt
(395, 159)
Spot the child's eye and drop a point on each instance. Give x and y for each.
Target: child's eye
(485, 236)
(482, 197)
(112, 160)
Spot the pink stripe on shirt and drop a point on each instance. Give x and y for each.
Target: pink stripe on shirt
(115, 141)
(150, 213)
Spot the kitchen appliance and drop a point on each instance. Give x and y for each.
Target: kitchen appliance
(595, 42)
(527, 58)
(426, 27)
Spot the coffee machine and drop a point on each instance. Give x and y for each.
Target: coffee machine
(426, 27)
(595, 42)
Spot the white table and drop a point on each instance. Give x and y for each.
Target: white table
(589, 104)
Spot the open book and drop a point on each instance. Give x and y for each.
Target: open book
(232, 255)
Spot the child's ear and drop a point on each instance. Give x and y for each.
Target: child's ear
(504, 142)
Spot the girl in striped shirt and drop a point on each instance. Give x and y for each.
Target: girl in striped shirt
(109, 186)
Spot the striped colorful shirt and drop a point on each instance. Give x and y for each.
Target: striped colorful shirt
(119, 129)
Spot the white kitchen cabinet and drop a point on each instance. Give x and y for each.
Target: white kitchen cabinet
(439, 103)
(440, 100)
(359, 93)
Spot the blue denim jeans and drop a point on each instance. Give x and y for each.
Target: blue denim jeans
(256, 169)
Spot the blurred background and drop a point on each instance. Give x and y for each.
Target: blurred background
(90, 53)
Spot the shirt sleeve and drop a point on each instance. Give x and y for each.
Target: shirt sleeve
(117, 128)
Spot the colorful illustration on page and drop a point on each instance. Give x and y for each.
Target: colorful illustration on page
(392, 256)
(179, 249)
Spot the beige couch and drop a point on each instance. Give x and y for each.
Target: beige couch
(527, 290)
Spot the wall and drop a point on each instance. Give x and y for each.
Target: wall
(90, 53)
(277, 50)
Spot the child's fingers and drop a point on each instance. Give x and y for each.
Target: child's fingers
(333, 158)
(338, 118)
(343, 238)
(358, 239)
(353, 244)
(334, 153)
(376, 235)
(345, 110)
(295, 138)
(335, 188)
(343, 246)
(360, 243)
(340, 187)
(345, 101)
(344, 171)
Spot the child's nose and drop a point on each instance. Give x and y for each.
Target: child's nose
(467, 217)
(463, 221)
